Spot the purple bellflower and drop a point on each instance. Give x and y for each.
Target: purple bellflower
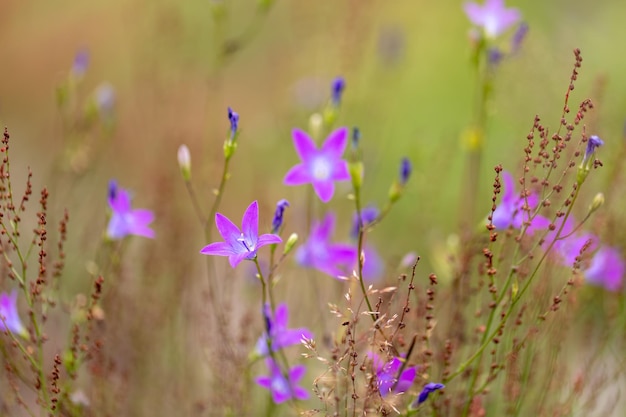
(606, 269)
(373, 267)
(339, 84)
(593, 143)
(240, 244)
(428, 388)
(387, 375)
(277, 222)
(368, 215)
(333, 259)
(280, 335)
(283, 388)
(509, 212)
(321, 167)
(9, 317)
(124, 220)
(492, 17)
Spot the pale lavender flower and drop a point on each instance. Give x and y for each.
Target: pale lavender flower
(320, 167)
(606, 269)
(387, 375)
(9, 317)
(277, 222)
(319, 253)
(280, 335)
(509, 212)
(283, 388)
(240, 244)
(426, 391)
(518, 37)
(339, 84)
(105, 98)
(81, 63)
(125, 220)
(492, 17)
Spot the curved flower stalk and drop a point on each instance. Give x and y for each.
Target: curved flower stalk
(240, 244)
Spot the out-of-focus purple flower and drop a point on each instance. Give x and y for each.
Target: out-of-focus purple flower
(233, 118)
(339, 85)
(569, 245)
(405, 170)
(492, 17)
(494, 56)
(593, 143)
(606, 269)
(279, 214)
(280, 335)
(374, 266)
(368, 215)
(81, 63)
(105, 98)
(387, 375)
(518, 37)
(408, 260)
(319, 253)
(124, 220)
(283, 389)
(9, 317)
(426, 391)
(509, 212)
(320, 167)
(240, 244)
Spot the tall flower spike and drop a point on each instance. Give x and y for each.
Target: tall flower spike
(492, 17)
(125, 220)
(9, 317)
(240, 244)
(319, 253)
(320, 167)
(283, 389)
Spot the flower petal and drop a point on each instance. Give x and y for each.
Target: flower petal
(250, 223)
(300, 393)
(335, 144)
(324, 190)
(267, 239)
(296, 373)
(119, 200)
(117, 227)
(340, 171)
(218, 249)
(138, 221)
(229, 232)
(474, 12)
(237, 258)
(305, 147)
(281, 316)
(406, 380)
(264, 381)
(297, 175)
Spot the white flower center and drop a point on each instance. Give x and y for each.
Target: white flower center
(248, 245)
(321, 169)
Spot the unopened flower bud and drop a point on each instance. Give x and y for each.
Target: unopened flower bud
(184, 162)
(596, 203)
(316, 123)
(291, 242)
(277, 222)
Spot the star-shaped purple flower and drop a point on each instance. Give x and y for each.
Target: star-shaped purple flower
(320, 167)
(283, 389)
(280, 335)
(240, 244)
(570, 243)
(9, 317)
(606, 269)
(493, 17)
(509, 212)
(318, 252)
(387, 375)
(124, 220)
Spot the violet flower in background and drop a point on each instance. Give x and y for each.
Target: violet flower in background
(509, 212)
(320, 167)
(280, 335)
(405, 171)
(240, 244)
(374, 265)
(426, 391)
(105, 98)
(387, 375)
(283, 389)
(593, 143)
(368, 215)
(518, 37)
(570, 243)
(277, 222)
(233, 118)
(319, 253)
(81, 63)
(493, 17)
(124, 220)
(9, 317)
(339, 84)
(606, 269)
